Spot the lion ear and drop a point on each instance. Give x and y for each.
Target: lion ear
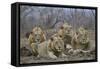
(27, 34)
(31, 32)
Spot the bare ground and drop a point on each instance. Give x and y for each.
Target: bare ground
(32, 59)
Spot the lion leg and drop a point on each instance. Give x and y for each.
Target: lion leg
(34, 49)
(62, 55)
(51, 55)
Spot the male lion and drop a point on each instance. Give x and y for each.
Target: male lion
(81, 39)
(66, 34)
(36, 36)
(52, 48)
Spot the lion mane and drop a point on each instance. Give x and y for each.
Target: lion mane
(80, 40)
(36, 36)
(51, 48)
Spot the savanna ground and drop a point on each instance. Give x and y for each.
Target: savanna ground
(27, 57)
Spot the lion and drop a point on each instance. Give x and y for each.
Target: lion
(80, 39)
(51, 48)
(36, 36)
(66, 33)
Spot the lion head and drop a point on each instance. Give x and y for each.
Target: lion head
(56, 44)
(82, 35)
(67, 29)
(81, 39)
(38, 35)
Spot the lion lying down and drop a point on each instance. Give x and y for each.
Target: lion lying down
(80, 43)
(81, 39)
(52, 48)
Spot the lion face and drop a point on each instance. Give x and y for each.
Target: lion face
(80, 39)
(56, 44)
(67, 29)
(38, 35)
(83, 38)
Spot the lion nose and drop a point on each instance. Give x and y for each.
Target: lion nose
(37, 39)
(68, 31)
(83, 38)
(59, 47)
